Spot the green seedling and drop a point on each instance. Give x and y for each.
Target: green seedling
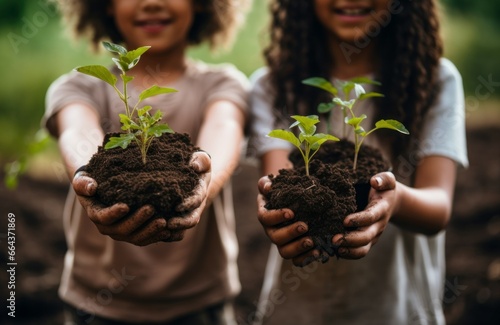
(347, 106)
(308, 142)
(139, 124)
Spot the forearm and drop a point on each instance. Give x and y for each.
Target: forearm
(79, 134)
(77, 148)
(222, 138)
(422, 210)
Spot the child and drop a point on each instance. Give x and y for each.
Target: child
(126, 267)
(400, 280)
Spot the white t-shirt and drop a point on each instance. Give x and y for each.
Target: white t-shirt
(402, 279)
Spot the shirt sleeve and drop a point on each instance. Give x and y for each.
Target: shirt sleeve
(444, 131)
(229, 84)
(71, 88)
(262, 119)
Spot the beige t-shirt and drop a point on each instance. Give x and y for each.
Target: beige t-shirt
(161, 281)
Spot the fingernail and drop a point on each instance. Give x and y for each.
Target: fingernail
(90, 188)
(301, 229)
(342, 251)
(307, 244)
(287, 215)
(378, 180)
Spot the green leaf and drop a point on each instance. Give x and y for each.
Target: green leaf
(159, 129)
(155, 90)
(115, 48)
(364, 80)
(326, 107)
(344, 103)
(319, 138)
(355, 121)
(122, 141)
(348, 87)
(100, 72)
(158, 115)
(321, 83)
(133, 63)
(134, 55)
(285, 135)
(370, 95)
(144, 110)
(120, 64)
(124, 118)
(393, 125)
(126, 78)
(358, 90)
(306, 124)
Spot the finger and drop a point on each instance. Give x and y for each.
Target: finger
(373, 213)
(309, 257)
(358, 238)
(152, 232)
(296, 247)
(383, 181)
(286, 234)
(184, 222)
(195, 200)
(352, 253)
(102, 215)
(269, 218)
(201, 162)
(126, 226)
(83, 184)
(264, 185)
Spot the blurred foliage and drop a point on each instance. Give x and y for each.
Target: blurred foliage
(485, 10)
(11, 12)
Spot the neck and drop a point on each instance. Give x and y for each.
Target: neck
(351, 60)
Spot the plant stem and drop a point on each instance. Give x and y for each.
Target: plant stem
(356, 151)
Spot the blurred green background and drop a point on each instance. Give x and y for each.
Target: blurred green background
(35, 49)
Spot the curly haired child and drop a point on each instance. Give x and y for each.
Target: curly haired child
(400, 280)
(128, 267)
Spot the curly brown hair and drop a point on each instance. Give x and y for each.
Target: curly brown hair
(215, 21)
(409, 48)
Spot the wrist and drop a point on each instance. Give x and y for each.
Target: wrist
(80, 169)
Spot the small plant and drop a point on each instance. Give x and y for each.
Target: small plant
(139, 124)
(308, 142)
(347, 107)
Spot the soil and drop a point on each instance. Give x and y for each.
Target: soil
(471, 293)
(331, 192)
(163, 182)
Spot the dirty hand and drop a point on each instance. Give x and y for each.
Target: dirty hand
(371, 222)
(288, 239)
(142, 227)
(191, 208)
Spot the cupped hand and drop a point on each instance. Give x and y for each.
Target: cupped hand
(371, 222)
(289, 239)
(191, 208)
(143, 227)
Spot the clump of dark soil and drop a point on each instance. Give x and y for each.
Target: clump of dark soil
(163, 182)
(331, 192)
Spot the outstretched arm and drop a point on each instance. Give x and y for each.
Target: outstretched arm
(79, 134)
(424, 208)
(221, 136)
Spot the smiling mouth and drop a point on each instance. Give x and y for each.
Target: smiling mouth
(353, 11)
(152, 23)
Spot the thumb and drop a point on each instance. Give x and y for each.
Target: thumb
(84, 185)
(383, 181)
